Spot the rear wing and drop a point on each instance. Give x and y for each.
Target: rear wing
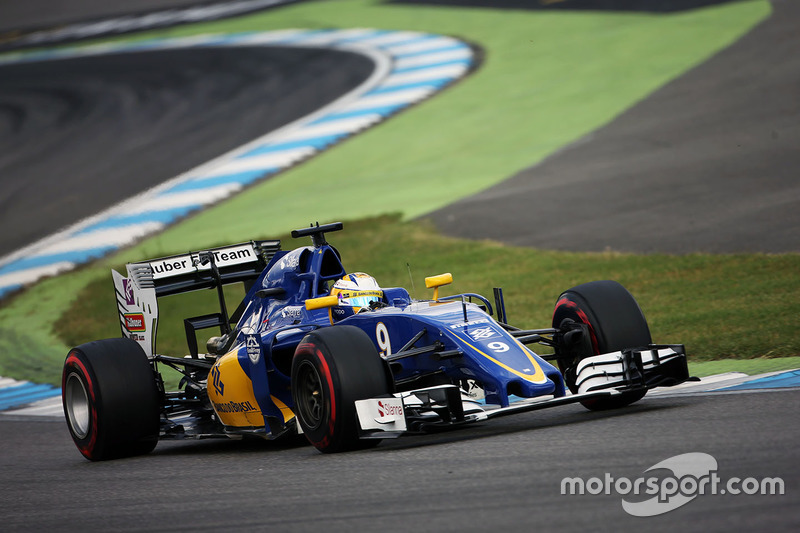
(146, 281)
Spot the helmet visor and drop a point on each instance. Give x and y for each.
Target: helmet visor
(359, 298)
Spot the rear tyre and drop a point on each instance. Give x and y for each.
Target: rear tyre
(331, 369)
(110, 399)
(615, 322)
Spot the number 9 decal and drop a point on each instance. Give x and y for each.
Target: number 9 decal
(498, 347)
(382, 335)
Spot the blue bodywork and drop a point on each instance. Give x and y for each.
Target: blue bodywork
(477, 349)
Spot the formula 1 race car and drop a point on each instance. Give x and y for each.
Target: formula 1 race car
(312, 349)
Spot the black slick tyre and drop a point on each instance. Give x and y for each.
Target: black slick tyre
(331, 369)
(111, 400)
(615, 322)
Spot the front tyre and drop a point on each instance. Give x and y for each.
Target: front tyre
(332, 368)
(110, 399)
(614, 322)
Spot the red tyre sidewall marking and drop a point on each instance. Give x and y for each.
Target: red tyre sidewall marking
(308, 348)
(329, 379)
(569, 304)
(72, 359)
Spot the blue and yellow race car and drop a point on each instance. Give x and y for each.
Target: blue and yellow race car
(317, 350)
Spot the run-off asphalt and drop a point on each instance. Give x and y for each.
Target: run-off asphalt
(708, 163)
(80, 135)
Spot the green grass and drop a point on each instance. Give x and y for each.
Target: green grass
(751, 366)
(29, 347)
(548, 79)
(715, 305)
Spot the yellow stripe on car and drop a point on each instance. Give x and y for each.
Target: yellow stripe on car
(538, 375)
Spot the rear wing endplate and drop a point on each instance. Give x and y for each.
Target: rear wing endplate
(137, 293)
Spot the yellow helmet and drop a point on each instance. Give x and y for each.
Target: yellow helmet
(356, 292)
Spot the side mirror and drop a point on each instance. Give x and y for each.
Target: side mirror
(434, 282)
(269, 293)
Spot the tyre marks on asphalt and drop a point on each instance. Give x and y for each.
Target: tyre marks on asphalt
(55, 24)
(79, 135)
(410, 67)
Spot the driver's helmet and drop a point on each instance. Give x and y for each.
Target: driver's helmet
(355, 292)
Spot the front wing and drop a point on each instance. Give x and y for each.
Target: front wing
(447, 406)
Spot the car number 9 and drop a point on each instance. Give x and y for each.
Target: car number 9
(382, 336)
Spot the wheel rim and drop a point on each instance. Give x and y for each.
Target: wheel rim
(77, 405)
(311, 396)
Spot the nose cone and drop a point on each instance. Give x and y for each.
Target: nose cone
(527, 389)
(511, 383)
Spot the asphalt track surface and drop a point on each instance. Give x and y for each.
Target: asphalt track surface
(118, 124)
(708, 163)
(30, 14)
(501, 475)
